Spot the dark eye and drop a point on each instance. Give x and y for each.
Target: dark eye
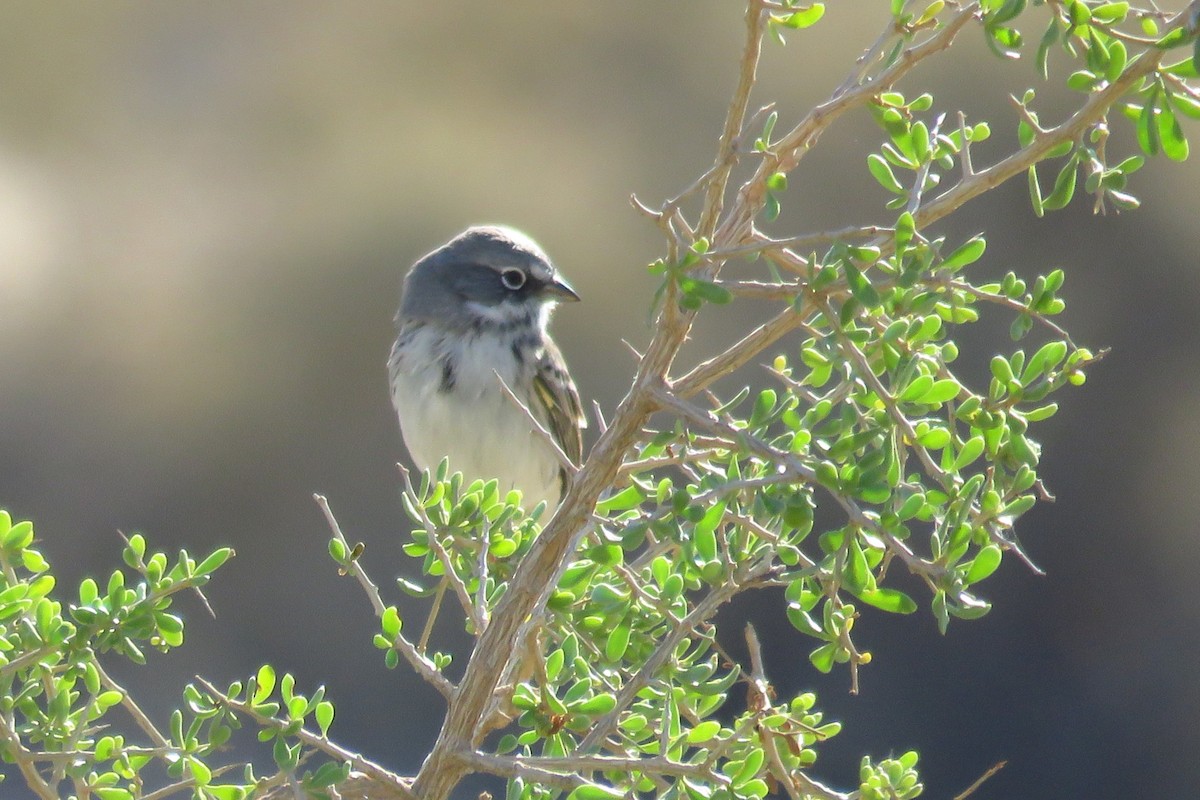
(512, 278)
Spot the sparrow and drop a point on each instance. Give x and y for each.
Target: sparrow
(472, 321)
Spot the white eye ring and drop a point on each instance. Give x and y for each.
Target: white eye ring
(512, 278)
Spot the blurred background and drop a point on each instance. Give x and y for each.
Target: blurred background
(206, 211)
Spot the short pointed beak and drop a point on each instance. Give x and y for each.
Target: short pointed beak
(558, 289)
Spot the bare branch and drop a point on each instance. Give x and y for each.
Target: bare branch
(134, 710)
(737, 355)
(538, 428)
(354, 566)
(970, 790)
(727, 150)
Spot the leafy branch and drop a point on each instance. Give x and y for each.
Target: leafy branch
(597, 669)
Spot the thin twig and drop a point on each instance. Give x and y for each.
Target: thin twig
(354, 566)
(734, 119)
(738, 354)
(565, 460)
(970, 790)
(1094, 109)
(791, 148)
(417, 660)
(138, 715)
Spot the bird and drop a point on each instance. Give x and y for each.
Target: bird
(474, 313)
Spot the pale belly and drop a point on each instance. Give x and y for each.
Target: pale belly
(479, 429)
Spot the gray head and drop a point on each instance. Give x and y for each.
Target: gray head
(486, 275)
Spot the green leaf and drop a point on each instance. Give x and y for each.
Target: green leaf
(596, 706)
(1048, 356)
(1035, 193)
(18, 536)
(860, 287)
(882, 172)
(33, 561)
(1147, 128)
(804, 18)
(324, 715)
(112, 793)
(891, 600)
(1064, 187)
(591, 791)
(1081, 80)
(618, 643)
(970, 252)
(772, 208)
(1109, 13)
(1118, 58)
(940, 392)
(905, 230)
(391, 623)
(1021, 325)
(264, 683)
(200, 771)
(857, 574)
(984, 564)
(917, 388)
(1041, 413)
(919, 137)
(1002, 370)
(1170, 135)
(627, 498)
(1175, 38)
(970, 451)
(934, 438)
(940, 611)
(703, 732)
(931, 11)
(1185, 105)
(705, 290)
(337, 550)
(214, 561)
(822, 658)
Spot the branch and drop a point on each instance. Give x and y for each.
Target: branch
(538, 428)
(561, 768)
(138, 715)
(786, 154)
(1073, 128)
(534, 578)
(24, 760)
(737, 355)
(727, 150)
(399, 787)
(354, 567)
(420, 664)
